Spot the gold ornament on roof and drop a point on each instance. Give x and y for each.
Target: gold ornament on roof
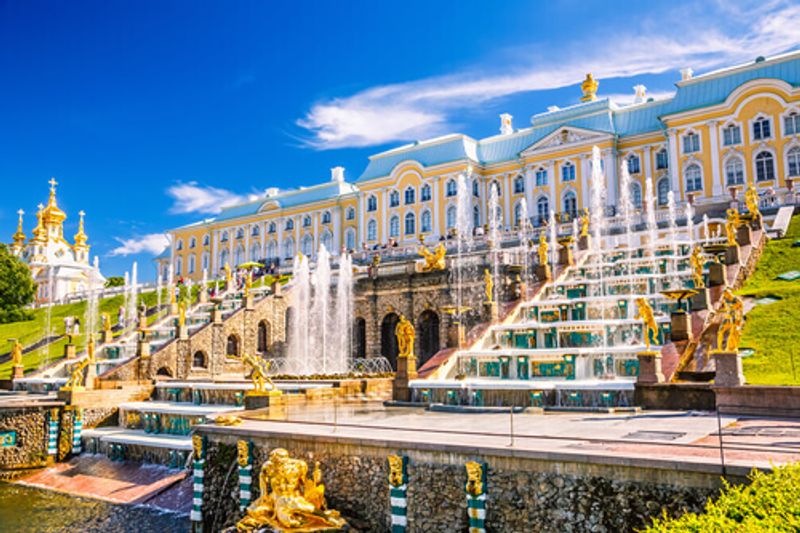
(81, 238)
(589, 88)
(698, 261)
(730, 329)
(405, 337)
(646, 314)
(19, 236)
(52, 214)
(433, 260)
(290, 500)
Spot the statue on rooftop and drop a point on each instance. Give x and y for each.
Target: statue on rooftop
(698, 261)
(290, 500)
(646, 314)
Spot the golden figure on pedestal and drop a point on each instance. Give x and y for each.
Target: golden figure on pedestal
(262, 384)
(646, 314)
(106, 320)
(732, 312)
(228, 277)
(405, 337)
(16, 354)
(488, 285)
(542, 249)
(248, 284)
(290, 500)
(243, 453)
(731, 223)
(395, 470)
(474, 478)
(751, 201)
(433, 260)
(698, 261)
(75, 381)
(181, 314)
(584, 218)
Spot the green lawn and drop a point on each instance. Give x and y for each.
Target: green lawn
(773, 330)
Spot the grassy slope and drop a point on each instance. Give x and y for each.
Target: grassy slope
(773, 330)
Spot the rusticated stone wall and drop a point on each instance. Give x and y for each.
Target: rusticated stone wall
(30, 424)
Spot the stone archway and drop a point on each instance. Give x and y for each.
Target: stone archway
(232, 346)
(263, 336)
(164, 372)
(360, 338)
(388, 338)
(199, 360)
(428, 335)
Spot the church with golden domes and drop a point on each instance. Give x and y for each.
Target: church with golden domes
(59, 269)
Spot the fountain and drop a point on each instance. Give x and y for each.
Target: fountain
(652, 226)
(130, 308)
(625, 203)
(463, 238)
(494, 238)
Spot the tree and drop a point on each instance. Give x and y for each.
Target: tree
(115, 281)
(17, 288)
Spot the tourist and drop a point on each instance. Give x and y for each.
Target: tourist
(121, 315)
(76, 326)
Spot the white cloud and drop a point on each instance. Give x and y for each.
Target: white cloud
(193, 198)
(153, 243)
(424, 107)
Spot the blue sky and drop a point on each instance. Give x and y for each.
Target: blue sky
(153, 114)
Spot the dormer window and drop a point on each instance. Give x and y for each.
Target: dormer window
(762, 129)
(451, 189)
(731, 135)
(791, 124)
(634, 164)
(394, 199)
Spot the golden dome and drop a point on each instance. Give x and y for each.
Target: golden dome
(81, 237)
(39, 232)
(19, 236)
(52, 214)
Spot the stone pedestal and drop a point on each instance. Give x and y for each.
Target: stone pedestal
(650, 367)
(700, 301)
(107, 337)
(69, 351)
(182, 332)
(732, 255)
(744, 235)
(681, 327)
(543, 273)
(406, 371)
(565, 257)
(583, 243)
(143, 348)
(490, 311)
(249, 302)
(276, 288)
(19, 372)
(717, 275)
(91, 376)
(729, 369)
(216, 316)
(202, 296)
(173, 309)
(260, 401)
(456, 335)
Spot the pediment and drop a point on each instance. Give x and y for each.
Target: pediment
(566, 136)
(269, 205)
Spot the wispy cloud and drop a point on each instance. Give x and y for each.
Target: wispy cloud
(194, 198)
(153, 243)
(424, 107)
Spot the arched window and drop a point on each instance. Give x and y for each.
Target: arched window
(394, 226)
(662, 160)
(327, 241)
(518, 214)
(179, 245)
(326, 217)
(450, 216)
(238, 257)
(192, 242)
(264, 330)
(793, 162)
(519, 184)
(734, 171)
(731, 135)
(254, 231)
(426, 222)
(476, 191)
(567, 172)
(372, 230)
(224, 258)
(240, 233)
(409, 196)
(762, 128)
(206, 260)
(178, 266)
(636, 195)
(307, 245)
(224, 236)
(372, 203)
(199, 360)
(254, 252)
(451, 189)
(411, 224)
(206, 240)
(350, 239)
(272, 250)
(192, 264)
(541, 177)
(791, 124)
(691, 143)
(571, 204)
(476, 216)
(765, 166)
(634, 164)
(694, 178)
(288, 248)
(662, 191)
(289, 225)
(307, 221)
(498, 189)
(394, 199)
(425, 193)
(351, 214)
(542, 209)
(232, 346)
(272, 228)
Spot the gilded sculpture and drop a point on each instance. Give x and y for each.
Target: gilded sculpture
(106, 320)
(197, 447)
(395, 470)
(262, 384)
(589, 88)
(732, 222)
(228, 277)
(474, 485)
(405, 337)
(75, 381)
(227, 420)
(182, 314)
(730, 329)
(16, 354)
(698, 261)
(751, 201)
(290, 500)
(90, 348)
(248, 284)
(648, 318)
(488, 285)
(542, 249)
(433, 260)
(585, 223)
(243, 453)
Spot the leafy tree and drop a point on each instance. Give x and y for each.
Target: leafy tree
(115, 281)
(17, 288)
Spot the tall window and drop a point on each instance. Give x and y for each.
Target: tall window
(254, 231)
(272, 227)
(372, 230)
(307, 245)
(394, 199)
(791, 124)
(372, 203)
(289, 225)
(765, 166)
(192, 242)
(394, 226)
(426, 222)
(568, 172)
(411, 224)
(793, 160)
(179, 245)
(497, 188)
(191, 264)
(451, 189)
(451, 217)
(327, 240)
(409, 196)
(206, 260)
(571, 204)
(306, 221)
(350, 239)
(541, 177)
(240, 233)
(288, 248)
(634, 165)
(476, 216)
(542, 209)
(518, 215)
(761, 129)
(662, 160)
(476, 192)
(636, 195)
(326, 217)
(206, 240)
(731, 135)
(691, 143)
(178, 266)
(694, 178)
(425, 193)
(734, 171)
(662, 191)
(351, 214)
(519, 184)
(272, 250)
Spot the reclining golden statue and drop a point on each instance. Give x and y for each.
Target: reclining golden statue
(433, 260)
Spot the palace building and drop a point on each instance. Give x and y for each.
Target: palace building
(717, 133)
(59, 268)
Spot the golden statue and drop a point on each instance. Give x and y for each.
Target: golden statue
(90, 348)
(248, 284)
(584, 218)
(172, 296)
(290, 500)
(227, 420)
(405, 337)
(589, 88)
(395, 470)
(646, 314)
(243, 452)
(732, 311)
(182, 314)
(106, 320)
(75, 381)
(474, 478)
(488, 283)
(197, 446)
(731, 223)
(262, 384)
(751, 201)
(698, 261)
(433, 260)
(16, 354)
(228, 276)
(542, 249)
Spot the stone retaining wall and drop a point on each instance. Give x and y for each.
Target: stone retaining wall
(30, 451)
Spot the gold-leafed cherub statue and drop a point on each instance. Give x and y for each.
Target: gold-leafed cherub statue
(730, 329)
(290, 500)
(405, 337)
(488, 285)
(698, 261)
(648, 318)
(433, 260)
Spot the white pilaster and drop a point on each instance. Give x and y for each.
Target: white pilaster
(716, 176)
(673, 160)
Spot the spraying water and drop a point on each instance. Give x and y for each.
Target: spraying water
(523, 236)
(130, 309)
(598, 190)
(706, 237)
(690, 224)
(553, 241)
(673, 227)
(343, 331)
(320, 317)
(625, 203)
(463, 236)
(494, 237)
(652, 227)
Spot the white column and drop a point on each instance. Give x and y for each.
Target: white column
(612, 185)
(648, 165)
(362, 216)
(231, 238)
(337, 229)
(551, 182)
(264, 235)
(716, 176)
(586, 170)
(530, 183)
(247, 230)
(505, 183)
(298, 222)
(385, 216)
(316, 220)
(279, 223)
(214, 251)
(435, 183)
(673, 160)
